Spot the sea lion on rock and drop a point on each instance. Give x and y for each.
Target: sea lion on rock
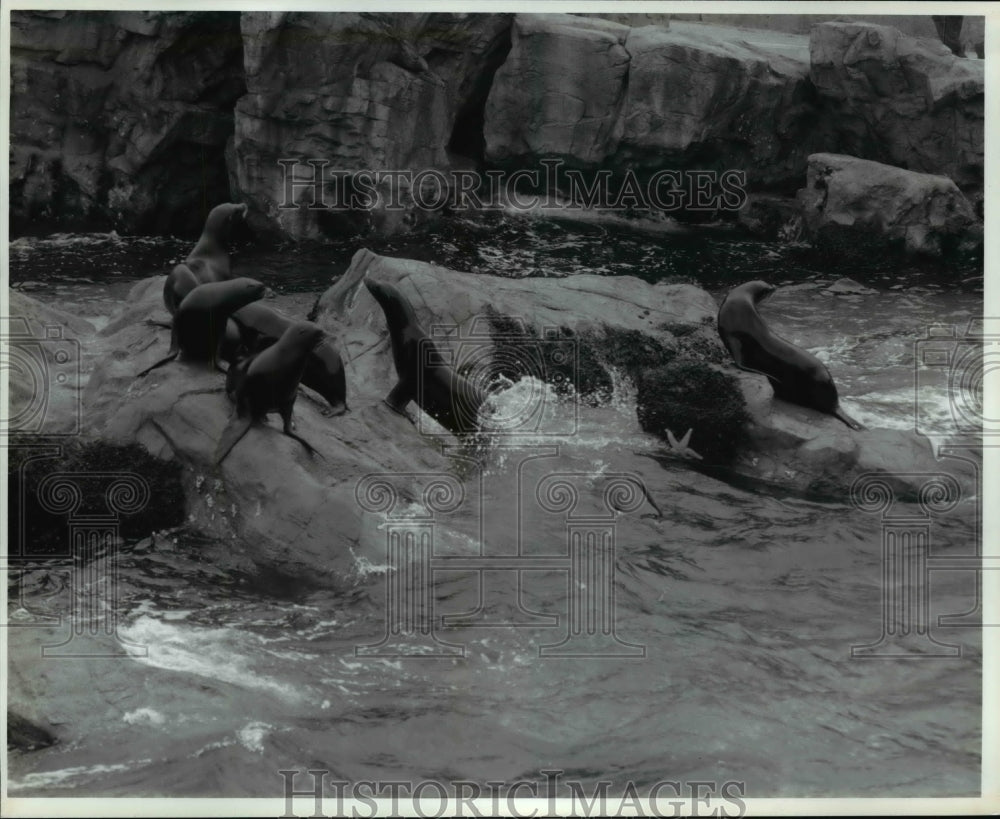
(201, 327)
(449, 398)
(260, 327)
(209, 260)
(268, 382)
(795, 375)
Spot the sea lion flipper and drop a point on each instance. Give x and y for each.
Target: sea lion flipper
(399, 396)
(165, 324)
(286, 417)
(234, 431)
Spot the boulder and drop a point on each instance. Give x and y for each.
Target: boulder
(592, 92)
(716, 97)
(847, 201)
(600, 321)
(560, 92)
(808, 451)
(901, 100)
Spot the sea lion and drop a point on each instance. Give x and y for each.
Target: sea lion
(209, 260)
(795, 375)
(268, 382)
(201, 326)
(449, 398)
(260, 327)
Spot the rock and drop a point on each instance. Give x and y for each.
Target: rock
(810, 452)
(357, 91)
(897, 99)
(121, 119)
(771, 217)
(605, 320)
(571, 106)
(697, 91)
(24, 735)
(649, 98)
(848, 201)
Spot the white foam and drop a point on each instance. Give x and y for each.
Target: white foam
(253, 734)
(67, 777)
(204, 652)
(144, 716)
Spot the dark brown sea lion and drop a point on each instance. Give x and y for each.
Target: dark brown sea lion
(268, 382)
(795, 374)
(449, 398)
(209, 260)
(260, 327)
(201, 325)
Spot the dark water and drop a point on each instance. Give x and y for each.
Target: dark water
(746, 602)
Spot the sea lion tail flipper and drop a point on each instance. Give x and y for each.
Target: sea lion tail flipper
(843, 416)
(309, 447)
(231, 435)
(175, 348)
(159, 363)
(335, 409)
(165, 324)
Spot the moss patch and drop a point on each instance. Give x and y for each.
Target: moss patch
(690, 394)
(36, 531)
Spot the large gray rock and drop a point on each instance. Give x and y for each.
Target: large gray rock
(802, 449)
(560, 92)
(121, 119)
(471, 315)
(847, 200)
(698, 91)
(359, 91)
(897, 99)
(593, 92)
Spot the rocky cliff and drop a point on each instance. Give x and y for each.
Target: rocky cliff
(142, 121)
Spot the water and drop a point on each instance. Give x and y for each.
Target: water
(746, 601)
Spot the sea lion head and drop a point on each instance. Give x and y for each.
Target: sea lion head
(245, 290)
(303, 335)
(223, 218)
(758, 290)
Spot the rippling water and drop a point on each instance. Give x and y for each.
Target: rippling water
(745, 601)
